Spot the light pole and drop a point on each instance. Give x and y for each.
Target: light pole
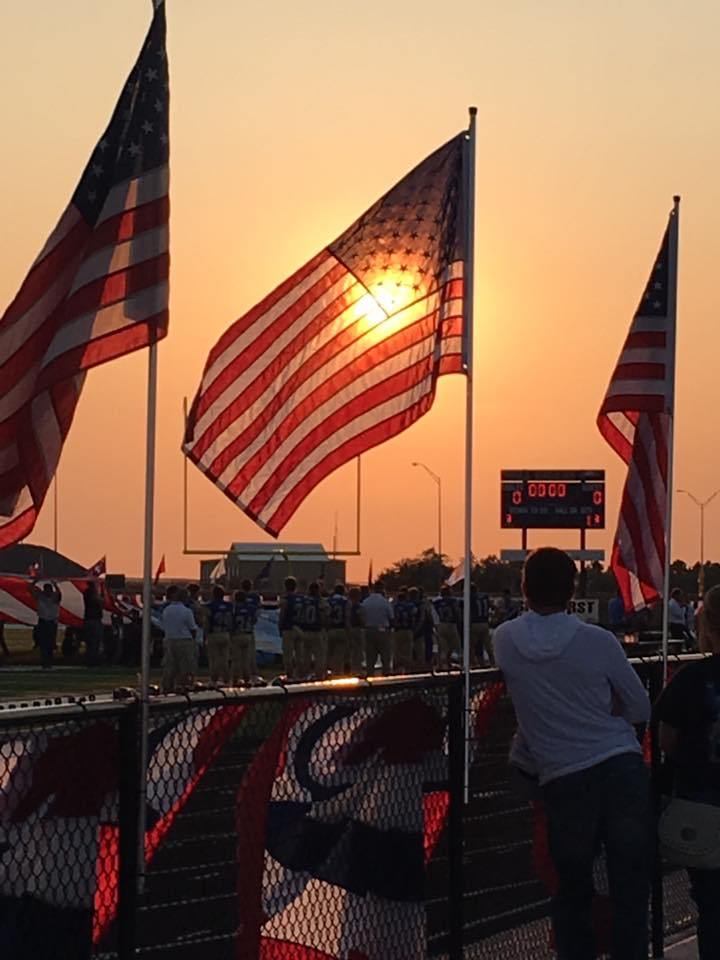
(701, 504)
(438, 481)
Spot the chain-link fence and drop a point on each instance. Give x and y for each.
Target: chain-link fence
(309, 822)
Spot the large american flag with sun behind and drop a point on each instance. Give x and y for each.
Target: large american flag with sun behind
(635, 419)
(98, 289)
(341, 356)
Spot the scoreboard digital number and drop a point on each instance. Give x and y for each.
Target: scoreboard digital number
(552, 499)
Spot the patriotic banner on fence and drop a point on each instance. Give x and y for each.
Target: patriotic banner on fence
(59, 821)
(97, 290)
(341, 356)
(336, 820)
(635, 419)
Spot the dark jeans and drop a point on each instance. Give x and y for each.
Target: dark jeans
(706, 894)
(92, 635)
(46, 634)
(608, 805)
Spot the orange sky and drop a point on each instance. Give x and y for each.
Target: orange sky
(287, 121)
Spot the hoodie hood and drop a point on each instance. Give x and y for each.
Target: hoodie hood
(544, 638)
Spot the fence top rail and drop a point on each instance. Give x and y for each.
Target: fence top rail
(14, 713)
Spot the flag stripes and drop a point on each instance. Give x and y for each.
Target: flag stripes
(341, 356)
(635, 420)
(97, 290)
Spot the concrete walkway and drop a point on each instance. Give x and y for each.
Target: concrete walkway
(683, 950)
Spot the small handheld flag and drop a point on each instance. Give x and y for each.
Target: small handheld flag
(160, 570)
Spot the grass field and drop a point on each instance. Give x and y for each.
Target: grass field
(22, 677)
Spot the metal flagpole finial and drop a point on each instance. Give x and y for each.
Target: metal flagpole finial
(472, 111)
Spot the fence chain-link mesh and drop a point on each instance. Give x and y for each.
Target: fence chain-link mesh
(307, 822)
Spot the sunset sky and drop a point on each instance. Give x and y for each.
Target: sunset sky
(287, 121)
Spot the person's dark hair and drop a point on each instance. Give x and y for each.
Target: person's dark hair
(290, 584)
(314, 589)
(549, 578)
(402, 593)
(172, 593)
(445, 590)
(677, 594)
(240, 596)
(246, 585)
(354, 594)
(339, 589)
(218, 593)
(379, 586)
(192, 589)
(414, 594)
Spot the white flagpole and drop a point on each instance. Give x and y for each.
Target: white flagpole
(672, 337)
(469, 288)
(147, 600)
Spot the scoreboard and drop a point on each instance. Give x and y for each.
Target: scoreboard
(552, 499)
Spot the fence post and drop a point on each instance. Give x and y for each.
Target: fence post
(128, 820)
(456, 813)
(657, 930)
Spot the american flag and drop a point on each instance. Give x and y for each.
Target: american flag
(341, 356)
(98, 289)
(635, 419)
(98, 569)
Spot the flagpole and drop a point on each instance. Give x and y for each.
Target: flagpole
(670, 410)
(147, 602)
(469, 289)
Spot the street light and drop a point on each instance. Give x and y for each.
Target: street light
(438, 481)
(701, 504)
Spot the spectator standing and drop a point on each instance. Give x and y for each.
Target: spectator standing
(92, 623)
(48, 602)
(356, 633)
(339, 626)
(180, 631)
(289, 623)
(242, 643)
(447, 610)
(219, 616)
(689, 715)
(378, 617)
(577, 698)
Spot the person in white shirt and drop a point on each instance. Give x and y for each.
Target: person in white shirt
(179, 647)
(377, 615)
(577, 699)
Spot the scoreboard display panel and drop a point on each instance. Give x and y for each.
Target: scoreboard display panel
(552, 499)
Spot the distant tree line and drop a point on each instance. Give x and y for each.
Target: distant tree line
(492, 575)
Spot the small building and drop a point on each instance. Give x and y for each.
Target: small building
(267, 565)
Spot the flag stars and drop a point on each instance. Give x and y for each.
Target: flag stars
(97, 170)
(151, 74)
(134, 150)
(158, 106)
(147, 127)
(103, 145)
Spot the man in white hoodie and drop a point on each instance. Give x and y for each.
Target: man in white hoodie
(577, 700)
